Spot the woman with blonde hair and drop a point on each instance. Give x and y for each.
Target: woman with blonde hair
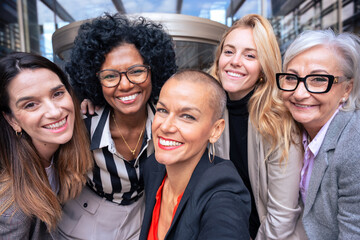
(260, 136)
(44, 151)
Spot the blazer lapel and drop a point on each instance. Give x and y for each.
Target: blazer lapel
(156, 177)
(321, 161)
(201, 167)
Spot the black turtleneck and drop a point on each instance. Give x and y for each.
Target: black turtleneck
(238, 125)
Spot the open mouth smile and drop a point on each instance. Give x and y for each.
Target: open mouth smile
(168, 144)
(234, 74)
(56, 125)
(128, 98)
(302, 105)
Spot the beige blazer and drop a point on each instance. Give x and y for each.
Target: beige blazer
(275, 187)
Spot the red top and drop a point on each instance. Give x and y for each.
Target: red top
(153, 231)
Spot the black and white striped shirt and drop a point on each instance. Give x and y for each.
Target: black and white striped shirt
(113, 177)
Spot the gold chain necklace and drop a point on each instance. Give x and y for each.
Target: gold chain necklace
(132, 151)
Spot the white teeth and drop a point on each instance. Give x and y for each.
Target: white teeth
(56, 125)
(235, 74)
(303, 106)
(169, 143)
(128, 98)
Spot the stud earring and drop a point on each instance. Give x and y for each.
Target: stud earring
(18, 134)
(343, 100)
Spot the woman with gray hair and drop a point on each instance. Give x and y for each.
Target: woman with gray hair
(321, 89)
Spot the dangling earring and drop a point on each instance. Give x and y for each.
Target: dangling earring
(211, 158)
(18, 134)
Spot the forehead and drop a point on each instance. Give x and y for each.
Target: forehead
(32, 82)
(123, 54)
(317, 58)
(186, 90)
(241, 37)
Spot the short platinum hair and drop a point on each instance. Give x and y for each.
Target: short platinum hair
(346, 47)
(217, 97)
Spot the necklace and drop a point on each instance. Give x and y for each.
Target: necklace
(131, 150)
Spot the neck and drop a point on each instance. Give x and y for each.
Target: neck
(239, 95)
(175, 182)
(131, 120)
(46, 152)
(311, 133)
(178, 175)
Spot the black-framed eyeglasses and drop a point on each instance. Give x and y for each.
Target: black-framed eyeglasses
(314, 83)
(135, 74)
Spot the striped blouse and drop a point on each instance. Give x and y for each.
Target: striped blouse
(113, 177)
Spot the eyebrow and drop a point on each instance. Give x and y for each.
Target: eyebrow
(184, 109)
(30, 97)
(246, 49)
(316, 71)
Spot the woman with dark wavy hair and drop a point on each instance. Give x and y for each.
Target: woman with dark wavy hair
(120, 65)
(44, 150)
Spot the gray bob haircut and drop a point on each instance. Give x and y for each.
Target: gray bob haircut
(346, 47)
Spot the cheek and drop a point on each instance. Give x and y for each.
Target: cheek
(285, 97)
(222, 62)
(106, 91)
(254, 70)
(146, 88)
(156, 124)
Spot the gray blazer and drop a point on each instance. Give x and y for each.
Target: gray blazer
(14, 224)
(332, 207)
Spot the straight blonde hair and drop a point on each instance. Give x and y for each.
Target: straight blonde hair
(267, 112)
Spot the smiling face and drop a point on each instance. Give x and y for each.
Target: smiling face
(183, 123)
(239, 67)
(127, 98)
(313, 110)
(42, 107)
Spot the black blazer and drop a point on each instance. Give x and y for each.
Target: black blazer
(215, 203)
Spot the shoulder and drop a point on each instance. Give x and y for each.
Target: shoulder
(348, 136)
(221, 176)
(353, 125)
(14, 224)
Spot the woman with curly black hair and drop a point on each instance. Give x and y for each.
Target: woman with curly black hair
(120, 65)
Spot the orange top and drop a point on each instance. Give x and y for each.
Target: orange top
(153, 231)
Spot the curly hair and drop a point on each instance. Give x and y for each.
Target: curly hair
(98, 37)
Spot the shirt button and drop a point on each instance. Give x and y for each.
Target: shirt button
(85, 205)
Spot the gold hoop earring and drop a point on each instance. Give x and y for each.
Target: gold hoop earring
(211, 158)
(18, 134)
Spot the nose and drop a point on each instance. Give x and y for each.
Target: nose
(52, 110)
(236, 60)
(169, 124)
(301, 92)
(124, 84)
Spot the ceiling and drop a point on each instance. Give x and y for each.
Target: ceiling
(75, 10)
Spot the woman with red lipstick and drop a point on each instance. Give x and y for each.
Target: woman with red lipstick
(44, 151)
(191, 194)
(321, 87)
(119, 65)
(260, 136)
